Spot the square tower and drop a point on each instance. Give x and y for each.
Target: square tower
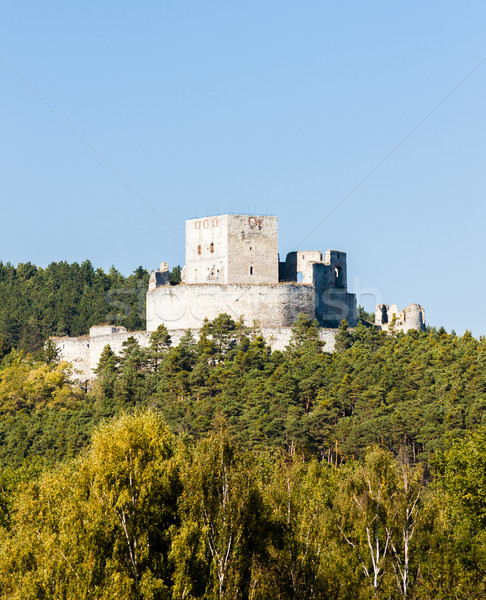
(232, 249)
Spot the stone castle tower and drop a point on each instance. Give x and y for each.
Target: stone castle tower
(232, 266)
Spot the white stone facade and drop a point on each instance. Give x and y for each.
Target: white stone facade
(390, 318)
(186, 306)
(232, 249)
(84, 352)
(232, 266)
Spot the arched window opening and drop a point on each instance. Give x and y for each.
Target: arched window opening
(338, 273)
(251, 270)
(211, 247)
(199, 250)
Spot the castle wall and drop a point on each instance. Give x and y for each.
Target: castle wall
(414, 317)
(305, 261)
(299, 262)
(160, 277)
(76, 350)
(279, 337)
(84, 352)
(186, 306)
(338, 268)
(333, 305)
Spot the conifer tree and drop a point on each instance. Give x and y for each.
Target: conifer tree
(343, 340)
(159, 344)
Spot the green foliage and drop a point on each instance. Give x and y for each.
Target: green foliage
(344, 339)
(65, 299)
(365, 315)
(102, 526)
(293, 474)
(175, 275)
(226, 525)
(404, 391)
(462, 475)
(141, 514)
(26, 385)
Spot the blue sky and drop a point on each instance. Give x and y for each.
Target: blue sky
(264, 107)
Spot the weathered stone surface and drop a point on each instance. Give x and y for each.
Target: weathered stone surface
(232, 266)
(186, 306)
(232, 249)
(389, 317)
(84, 352)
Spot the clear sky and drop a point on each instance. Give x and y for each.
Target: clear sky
(279, 107)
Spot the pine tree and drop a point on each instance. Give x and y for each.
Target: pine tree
(343, 340)
(106, 371)
(160, 342)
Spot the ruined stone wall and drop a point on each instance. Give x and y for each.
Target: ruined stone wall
(389, 317)
(338, 268)
(299, 262)
(305, 262)
(160, 277)
(76, 350)
(279, 337)
(84, 352)
(333, 304)
(186, 306)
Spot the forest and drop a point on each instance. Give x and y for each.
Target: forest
(67, 299)
(219, 468)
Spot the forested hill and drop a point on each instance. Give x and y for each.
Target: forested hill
(219, 469)
(67, 299)
(400, 391)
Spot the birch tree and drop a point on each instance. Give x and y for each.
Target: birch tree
(224, 523)
(378, 511)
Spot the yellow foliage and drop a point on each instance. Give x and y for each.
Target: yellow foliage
(27, 385)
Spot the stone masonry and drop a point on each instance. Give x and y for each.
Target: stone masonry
(232, 266)
(84, 352)
(389, 317)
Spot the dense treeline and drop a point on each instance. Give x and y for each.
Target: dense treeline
(67, 299)
(220, 469)
(144, 515)
(399, 391)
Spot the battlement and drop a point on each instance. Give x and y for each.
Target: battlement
(100, 330)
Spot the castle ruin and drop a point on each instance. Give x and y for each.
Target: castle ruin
(233, 267)
(389, 318)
